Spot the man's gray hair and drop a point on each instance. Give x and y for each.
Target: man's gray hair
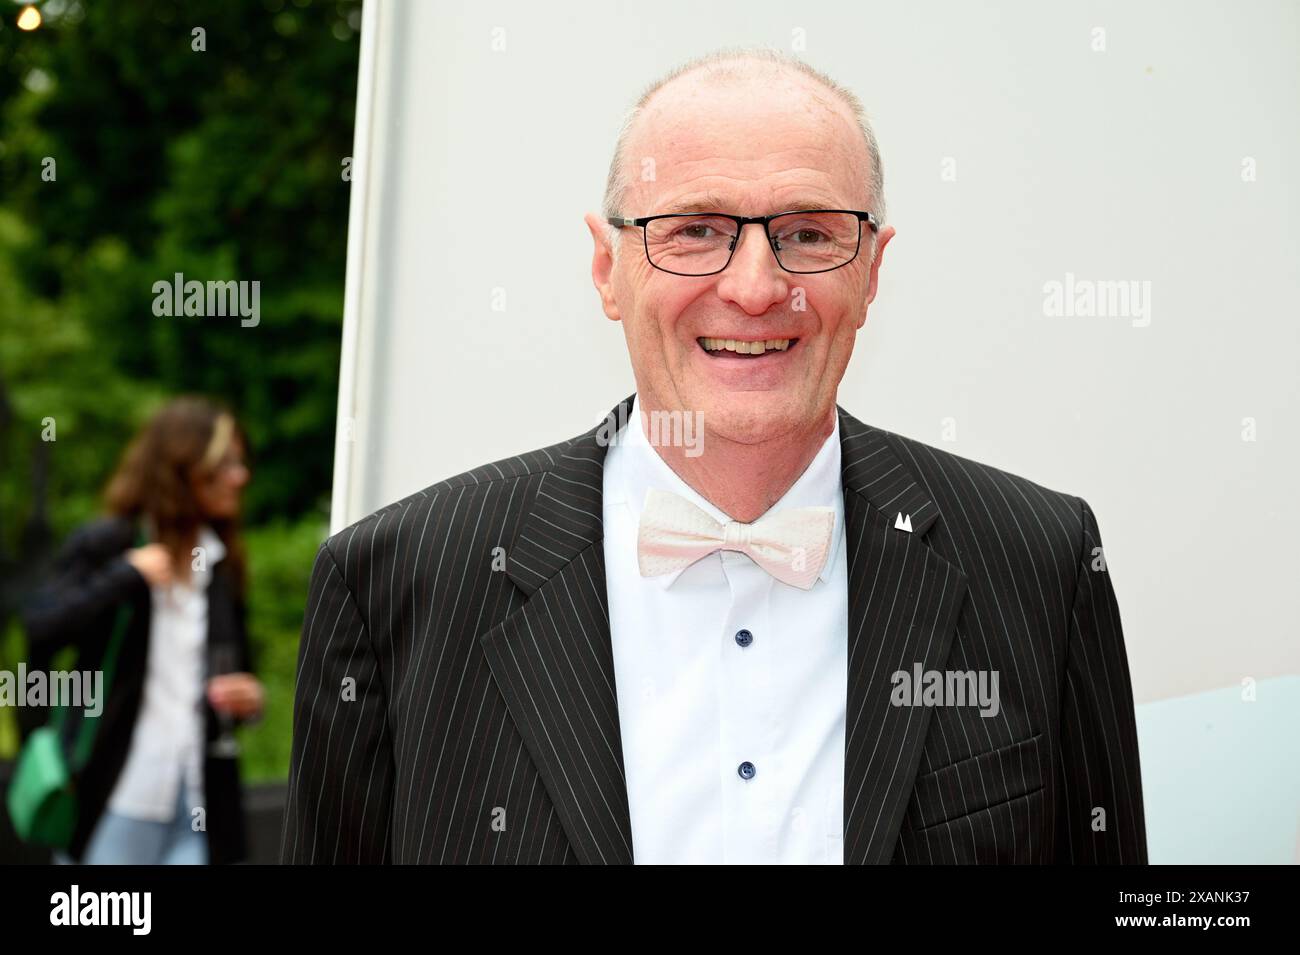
(726, 63)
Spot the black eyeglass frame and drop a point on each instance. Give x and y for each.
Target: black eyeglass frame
(742, 221)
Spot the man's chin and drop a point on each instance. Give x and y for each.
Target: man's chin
(749, 417)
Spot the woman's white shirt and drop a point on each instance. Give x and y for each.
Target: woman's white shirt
(167, 745)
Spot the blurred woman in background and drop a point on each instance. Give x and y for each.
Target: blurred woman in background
(161, 784)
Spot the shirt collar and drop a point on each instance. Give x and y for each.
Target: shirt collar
(212, 545)
(640, 468)
(214, 548)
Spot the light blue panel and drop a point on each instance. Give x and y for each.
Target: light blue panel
(1221, 776)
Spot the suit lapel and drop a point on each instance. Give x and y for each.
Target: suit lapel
(903, 604)
(553, 658)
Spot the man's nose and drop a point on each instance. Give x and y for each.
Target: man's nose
(753, 279)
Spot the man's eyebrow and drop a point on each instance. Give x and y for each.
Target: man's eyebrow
(711, 203)
(698, 203)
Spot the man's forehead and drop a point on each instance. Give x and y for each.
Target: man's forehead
(722, 146)
(680, 179)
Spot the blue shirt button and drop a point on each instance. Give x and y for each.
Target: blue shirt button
(746, 770)
(744, 638)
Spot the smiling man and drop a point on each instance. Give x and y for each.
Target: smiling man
(799, 639)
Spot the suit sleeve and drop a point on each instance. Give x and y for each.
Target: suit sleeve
(341, 768)
(78, 591)
(1102, 819)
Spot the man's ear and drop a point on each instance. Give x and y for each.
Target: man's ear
(602, 264)
(873, 282)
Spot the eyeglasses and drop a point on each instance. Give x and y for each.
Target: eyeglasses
(230, 462)
(702, 243)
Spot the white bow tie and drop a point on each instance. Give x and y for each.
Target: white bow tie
(791, 545)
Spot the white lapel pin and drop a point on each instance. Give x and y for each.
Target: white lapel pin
(903, 522)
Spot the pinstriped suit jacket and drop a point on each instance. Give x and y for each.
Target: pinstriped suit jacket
(456, 699)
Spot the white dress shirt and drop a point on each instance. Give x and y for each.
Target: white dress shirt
(694, 704)
(168, 741)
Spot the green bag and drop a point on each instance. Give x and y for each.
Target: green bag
(42, 796)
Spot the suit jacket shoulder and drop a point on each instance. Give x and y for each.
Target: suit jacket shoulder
(987, 507)
(443, 532)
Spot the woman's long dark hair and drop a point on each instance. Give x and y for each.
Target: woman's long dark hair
(153, 479)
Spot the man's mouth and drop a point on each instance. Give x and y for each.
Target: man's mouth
(745, 348)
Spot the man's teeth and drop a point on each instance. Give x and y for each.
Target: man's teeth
(745, 348)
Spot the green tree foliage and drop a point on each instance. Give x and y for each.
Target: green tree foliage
(128, 155)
